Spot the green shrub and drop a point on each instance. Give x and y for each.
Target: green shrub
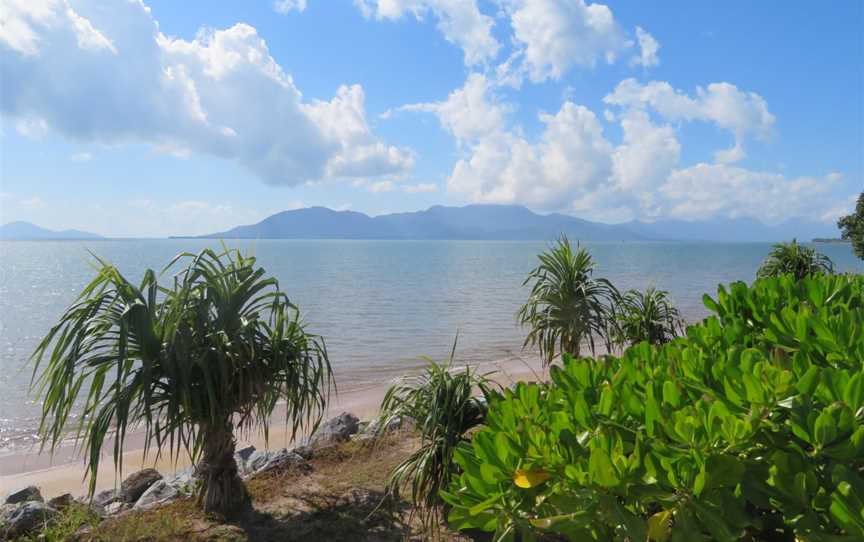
(749, 428)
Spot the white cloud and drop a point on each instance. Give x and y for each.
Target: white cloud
(460, 21)
(648, 48)
(743, 113)
(420, 188)
(842, 208)
(570, 159)
(552, 36)
(733, 154)
(469, 112)
(220, 94)
(723, 104)
(705, 191)
(81, 157)
(572, 166)
(287, 6)
(646, 156)
(22, 20)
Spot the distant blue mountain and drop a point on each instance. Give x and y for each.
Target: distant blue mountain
(511, 222)
(738, 230)
(27, 231)
(470, 222)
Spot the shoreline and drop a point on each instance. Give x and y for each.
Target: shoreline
(64, 471)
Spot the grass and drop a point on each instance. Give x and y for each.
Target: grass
(339, 498)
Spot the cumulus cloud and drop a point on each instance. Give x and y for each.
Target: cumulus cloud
(287, 6)
(570, 159)
(573, 166)
(552, 36)
(469, 113)
(724, 104)
(460, 21)
(105, 73)
(648, 48)
(710, 190)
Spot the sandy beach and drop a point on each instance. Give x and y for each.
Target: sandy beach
(64, 472)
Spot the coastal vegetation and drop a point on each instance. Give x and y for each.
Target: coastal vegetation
(796, 260)
(852, 227)
(190, 363)
(566, 306)
(744, 426)
(442, 405)
(645, 316)
(747, 428)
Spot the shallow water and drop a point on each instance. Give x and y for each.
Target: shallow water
(379, 304)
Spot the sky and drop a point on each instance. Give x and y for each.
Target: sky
(131, 118)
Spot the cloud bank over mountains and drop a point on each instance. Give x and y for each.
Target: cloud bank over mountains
(105, 73)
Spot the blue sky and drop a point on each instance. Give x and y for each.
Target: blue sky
(190, 117)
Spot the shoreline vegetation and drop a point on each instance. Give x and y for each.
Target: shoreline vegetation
(746, 425)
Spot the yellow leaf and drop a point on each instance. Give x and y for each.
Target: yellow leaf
(660, 525)
(529, 478)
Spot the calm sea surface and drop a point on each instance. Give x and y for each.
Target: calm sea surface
(379, 304)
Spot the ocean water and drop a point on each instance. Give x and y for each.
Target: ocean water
(380, 305)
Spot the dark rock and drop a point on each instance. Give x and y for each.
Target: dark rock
(27, 517)
(106, 497)
(27, 494)
(158, 493)
(335, 430)
(61, 501)
(137, 483)
(305, 452)
(244, 453)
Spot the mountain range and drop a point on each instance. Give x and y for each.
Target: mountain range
(510, 222)
(22, 231)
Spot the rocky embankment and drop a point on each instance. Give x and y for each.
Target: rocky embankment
(25, 511)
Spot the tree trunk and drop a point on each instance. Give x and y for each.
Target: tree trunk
(221, 491)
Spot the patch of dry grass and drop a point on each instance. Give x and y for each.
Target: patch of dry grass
(340, 498)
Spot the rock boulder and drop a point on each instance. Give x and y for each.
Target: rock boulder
(27, 494)
(158, 493)
(27, 517)
(137, 483)
(335, 430)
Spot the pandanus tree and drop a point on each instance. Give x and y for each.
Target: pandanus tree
(646, 316)
(566, 306)
(444, 405)
(189, 364)
(794, 259)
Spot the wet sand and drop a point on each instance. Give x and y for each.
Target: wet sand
(64, 472)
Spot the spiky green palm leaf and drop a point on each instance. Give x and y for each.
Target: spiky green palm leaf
(796, 260)
(567, 306)
(646, 316)
(444, 406)
(186, 363)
